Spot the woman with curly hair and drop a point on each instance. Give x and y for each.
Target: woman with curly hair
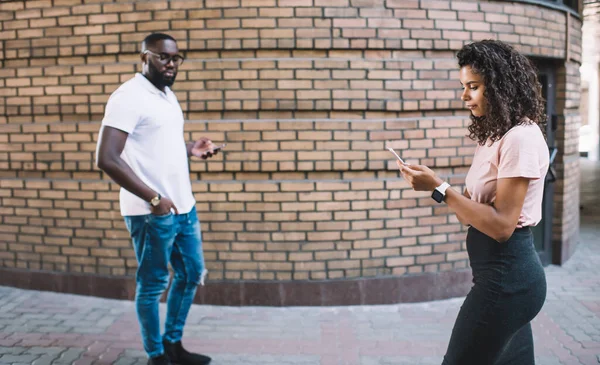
(503, 198)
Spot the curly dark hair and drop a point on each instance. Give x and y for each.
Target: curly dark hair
(512, 90)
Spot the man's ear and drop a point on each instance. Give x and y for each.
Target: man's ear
(143, 57)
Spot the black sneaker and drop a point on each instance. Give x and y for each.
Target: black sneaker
(159, 360)
(178, 355)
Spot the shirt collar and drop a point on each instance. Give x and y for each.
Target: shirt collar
(146, 84)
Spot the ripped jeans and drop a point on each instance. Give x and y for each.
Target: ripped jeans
(158, 241)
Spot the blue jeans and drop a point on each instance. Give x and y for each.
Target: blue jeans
(158, 240)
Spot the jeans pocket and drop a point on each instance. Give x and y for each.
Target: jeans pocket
(170, 213)
(163, 225)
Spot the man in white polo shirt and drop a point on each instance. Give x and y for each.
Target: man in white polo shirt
(141, 147)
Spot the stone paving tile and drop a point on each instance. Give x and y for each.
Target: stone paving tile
(40, 328)
(399, 360)
(12, 350)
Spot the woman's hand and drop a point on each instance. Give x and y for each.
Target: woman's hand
(420, 177)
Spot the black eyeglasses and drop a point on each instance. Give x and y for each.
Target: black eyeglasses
(165, 58)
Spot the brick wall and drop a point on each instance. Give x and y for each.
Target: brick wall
(327, 189)
(566, 218)
(306, 93)
(62, 62)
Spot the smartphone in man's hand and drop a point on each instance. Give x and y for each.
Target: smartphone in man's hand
(218, 148)
(208, 152)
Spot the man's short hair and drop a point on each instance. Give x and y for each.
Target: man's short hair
(153, 38)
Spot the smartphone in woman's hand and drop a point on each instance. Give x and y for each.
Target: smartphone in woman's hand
(395, 154)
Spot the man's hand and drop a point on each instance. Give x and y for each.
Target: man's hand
(420, 177)
(163, 207)
(204, 148)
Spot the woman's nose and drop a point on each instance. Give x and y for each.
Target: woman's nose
(464, 96)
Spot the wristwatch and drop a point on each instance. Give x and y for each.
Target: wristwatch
(439, 193)
(155, 201)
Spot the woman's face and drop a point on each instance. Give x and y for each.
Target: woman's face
(473, 89)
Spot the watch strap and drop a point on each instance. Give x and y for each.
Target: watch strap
(439, 193)
(443, 187)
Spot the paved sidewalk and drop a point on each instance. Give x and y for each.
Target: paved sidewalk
(43, 328)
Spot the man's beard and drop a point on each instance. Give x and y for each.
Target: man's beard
(168, 81)
(160, 79)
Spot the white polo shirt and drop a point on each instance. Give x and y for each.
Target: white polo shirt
(155, 149)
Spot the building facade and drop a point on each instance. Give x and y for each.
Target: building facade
(304, 206)
(590, 80)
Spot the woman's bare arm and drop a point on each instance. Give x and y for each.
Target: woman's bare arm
(461, 219)
(497, 221)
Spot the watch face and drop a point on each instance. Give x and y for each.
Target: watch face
(437, 196)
